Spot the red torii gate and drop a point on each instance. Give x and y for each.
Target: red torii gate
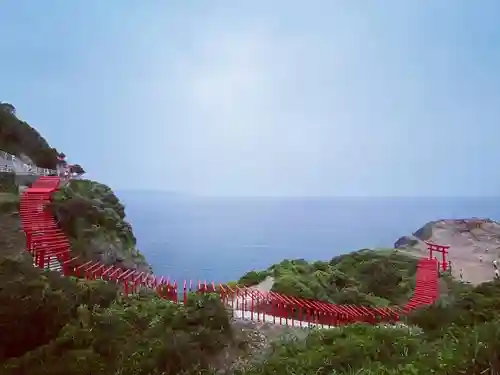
(440, 249)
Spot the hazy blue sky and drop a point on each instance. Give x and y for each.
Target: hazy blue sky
(263, 97)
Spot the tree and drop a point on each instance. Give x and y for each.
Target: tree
(76, 169)
(8, 108)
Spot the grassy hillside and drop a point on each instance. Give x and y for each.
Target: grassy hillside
(365, 277)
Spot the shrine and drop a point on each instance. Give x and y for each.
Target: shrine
(62, 165)
(432, 247)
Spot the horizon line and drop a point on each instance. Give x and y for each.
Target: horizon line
(274, 196)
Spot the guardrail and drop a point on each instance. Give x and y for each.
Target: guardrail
(37, 172)
(23, 168)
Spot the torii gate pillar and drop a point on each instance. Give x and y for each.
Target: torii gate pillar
(440, 249)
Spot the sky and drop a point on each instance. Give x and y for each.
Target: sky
(263, 98)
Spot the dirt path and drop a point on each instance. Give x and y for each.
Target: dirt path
(265, 286)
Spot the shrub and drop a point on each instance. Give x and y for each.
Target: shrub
(8, 183)
(67, 326)
(252, 278)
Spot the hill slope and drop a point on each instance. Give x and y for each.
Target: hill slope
(364, 277)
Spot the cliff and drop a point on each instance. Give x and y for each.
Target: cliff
(474, 242)
(94, 220)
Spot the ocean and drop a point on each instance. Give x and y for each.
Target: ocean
(219, 239)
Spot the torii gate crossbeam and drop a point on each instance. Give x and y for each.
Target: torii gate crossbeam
(432, 247)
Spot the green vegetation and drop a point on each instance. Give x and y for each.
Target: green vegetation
(458, 335)
(365, 277)
(94, 220)
(55, 325)
(8, 183)
(69, 326)
(9, 196)
(18, 137)
(8, 202)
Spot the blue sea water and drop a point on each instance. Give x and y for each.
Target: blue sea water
(220, 239)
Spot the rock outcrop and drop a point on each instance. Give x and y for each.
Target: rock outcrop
(474, 242)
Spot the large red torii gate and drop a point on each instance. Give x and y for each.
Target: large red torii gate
(440, 249)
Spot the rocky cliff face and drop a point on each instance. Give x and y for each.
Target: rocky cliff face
(94, 219)
(474, 242)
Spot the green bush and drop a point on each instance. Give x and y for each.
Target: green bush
(458, 336)
(40, 303)
(252, 278)
(88, 211)
(9, 203)
(8, 183)
(365, 277)
(56, 325)
(469, 307)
